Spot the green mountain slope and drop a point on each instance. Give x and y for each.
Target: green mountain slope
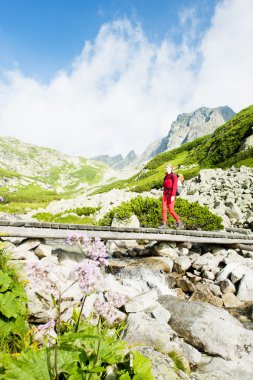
(219, 149)
(32, 176)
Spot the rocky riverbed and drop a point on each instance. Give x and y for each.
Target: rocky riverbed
(177, 298)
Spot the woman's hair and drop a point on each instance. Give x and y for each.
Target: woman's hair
(171, 166)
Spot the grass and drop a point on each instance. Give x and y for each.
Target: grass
(219, 149)
(64, 218)
(21, 207)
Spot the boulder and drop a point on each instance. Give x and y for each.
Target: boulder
(209, 328)
(161, 314)
(230, 300)
(133, 221)
(227, 286)
(181, 264)
(238, 272)
(245, 289)
(142, 302)
(203, 293)
(145, 331)
(166, 250)
(43, 250)
(239, 369)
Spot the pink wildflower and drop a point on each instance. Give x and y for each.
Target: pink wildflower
(89, 276)
(93, 249)
(115, 299)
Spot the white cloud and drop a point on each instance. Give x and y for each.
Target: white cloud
(123, 91)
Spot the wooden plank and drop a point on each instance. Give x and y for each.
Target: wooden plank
(110, 235)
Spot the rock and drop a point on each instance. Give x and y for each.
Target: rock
(239, 369)
(161, 314)
(185, 284)
(181, 264)
(145, 331)
(133, 221)
(166, 250)
(215, 289)
(208, 275)
(143, 302)
(238, 272)
(227, 286)
(245, 289)
(162, 365)
(211, 329)
(208, 261)
(28, 245)
(225, 272)
(164, 264)
(204, 294)
(24, 255)
(230, 300)
(43, 251)
(234, 212)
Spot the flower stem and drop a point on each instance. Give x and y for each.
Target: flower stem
(79, 317)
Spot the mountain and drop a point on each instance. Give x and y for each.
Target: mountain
(117, 162)
(187, 127)
(230, 144)
(23, 164)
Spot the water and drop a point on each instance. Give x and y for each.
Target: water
(244, 314)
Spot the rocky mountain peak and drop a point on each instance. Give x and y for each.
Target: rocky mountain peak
(189, 126)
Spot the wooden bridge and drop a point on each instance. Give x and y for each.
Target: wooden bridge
(50, 231)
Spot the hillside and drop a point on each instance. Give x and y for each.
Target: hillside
(38, 175)
(228, 145)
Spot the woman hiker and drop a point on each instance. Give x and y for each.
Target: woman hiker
(169, 196)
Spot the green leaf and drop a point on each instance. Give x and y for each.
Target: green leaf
(125, 376)
(8, 305)
(20, 326)
(5, 281)
(68, 357)
(18, 291)
(142, 367)
(32, 365)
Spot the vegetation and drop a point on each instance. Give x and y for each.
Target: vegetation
(83, 215)
(75, 349)
(13, 313)
(149, 211)
(220, 149)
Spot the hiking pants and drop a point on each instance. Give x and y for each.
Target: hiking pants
(167, 203)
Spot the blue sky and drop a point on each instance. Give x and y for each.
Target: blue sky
(104, 77)
(42, 36)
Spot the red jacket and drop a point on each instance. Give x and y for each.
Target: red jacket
(170, 185)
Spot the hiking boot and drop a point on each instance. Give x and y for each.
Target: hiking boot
(179, 225)
(163, 225)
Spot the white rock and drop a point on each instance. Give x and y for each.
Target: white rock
(161, 314)
(43, 250)
(28, 245)
(133, 221)
(143, 302)
(227, 286)
(238, 272)
(181, 264)
(164, 249)
(245, 290)
(225, 272)
(24, 255)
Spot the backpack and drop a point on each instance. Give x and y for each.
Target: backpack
(180, 180)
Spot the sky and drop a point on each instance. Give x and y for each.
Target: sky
(91, 77)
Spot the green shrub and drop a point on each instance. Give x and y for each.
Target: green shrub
(84, 211)
(149, 213)
(62, 217)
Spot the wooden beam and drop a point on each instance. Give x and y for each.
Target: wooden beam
(44, 233)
